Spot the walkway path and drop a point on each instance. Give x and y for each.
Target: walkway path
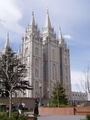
(61, 117)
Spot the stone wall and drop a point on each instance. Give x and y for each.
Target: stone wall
(55, 111)
(64, 111)
(82, 110)
(29, 102)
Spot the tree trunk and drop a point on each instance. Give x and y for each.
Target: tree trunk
(10, 103)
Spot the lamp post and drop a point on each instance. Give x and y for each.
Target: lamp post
(57, 97)
(48, 97)
(40, 86)
(48, 93)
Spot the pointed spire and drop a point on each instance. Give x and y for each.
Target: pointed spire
(60, 37)
(47, 23)
(19, 52)
(33, 20)
(7, 45)
(60, 33)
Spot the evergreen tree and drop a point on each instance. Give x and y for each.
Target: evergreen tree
(58, 96)
(12, 72)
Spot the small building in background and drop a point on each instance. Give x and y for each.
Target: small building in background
(79, 98)
(88, 95)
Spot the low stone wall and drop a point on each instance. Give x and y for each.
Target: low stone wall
(55, 111)
(82, 110)
(29, 102)
(64, 111)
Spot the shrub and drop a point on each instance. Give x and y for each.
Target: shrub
(58, 96)
(3, 116)
(88, 117)
(15, 116)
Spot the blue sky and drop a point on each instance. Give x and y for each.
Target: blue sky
(72, 15)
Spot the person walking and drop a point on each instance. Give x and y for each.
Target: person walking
(74, 109)
(36, 111)
(20, 108)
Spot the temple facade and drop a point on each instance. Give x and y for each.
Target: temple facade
(47, 59)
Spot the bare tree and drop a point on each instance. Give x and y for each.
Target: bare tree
(85, 81)
(12, 75)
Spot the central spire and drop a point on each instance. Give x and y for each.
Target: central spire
(47, 23)
(33, 20)
(32, 26)
(48, 31)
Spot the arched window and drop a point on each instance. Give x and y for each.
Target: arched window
(26, 51)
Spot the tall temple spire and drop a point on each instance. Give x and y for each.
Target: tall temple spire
(60, 33)
(33, 20)
(7, 44)
(47, 23)
(48, 31)
(60, 37)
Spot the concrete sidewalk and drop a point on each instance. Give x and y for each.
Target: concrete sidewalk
(61, 117)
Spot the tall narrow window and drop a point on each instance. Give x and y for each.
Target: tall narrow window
(54, 72)
(26, 51)
(36, 51)
(36, 72)
(53, 54)
(37, 62)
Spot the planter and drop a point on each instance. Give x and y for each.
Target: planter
(31, 117)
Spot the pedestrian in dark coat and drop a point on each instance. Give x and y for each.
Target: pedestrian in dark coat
(36, 111)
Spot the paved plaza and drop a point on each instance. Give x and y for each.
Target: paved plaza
(61, 117)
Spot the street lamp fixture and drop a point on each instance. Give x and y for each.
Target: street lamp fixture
(40, 86)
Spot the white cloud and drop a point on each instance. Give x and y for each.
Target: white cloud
(77, 80)
(71, 10)
(10, 16)
(67, 36)
(76, 76)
